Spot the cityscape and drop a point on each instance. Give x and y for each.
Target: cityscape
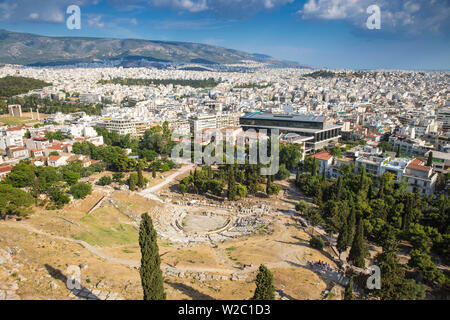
(159, 170)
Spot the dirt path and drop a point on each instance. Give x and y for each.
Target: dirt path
(148, 192)
(90, 248)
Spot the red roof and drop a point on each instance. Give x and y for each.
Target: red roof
(416, 164)
(324, 155)
(14, 129)
(54, 158)
(7, 168)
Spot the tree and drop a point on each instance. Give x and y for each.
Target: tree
(268, 184)
(348, 294)
(22, 175)
(264, 285)
(430, 159)
(117, 177)
(301, 206)
(394, 284)
(342, 240)
(141, 180)
(58, 197)
(132, 181)
(14, 201)
(153, 171)
(283, 173)
(216, 187)
(316, 242)
(105, 181)
(71, 177)
(241, 191)
(358, 252)
(81, 190)
(231, 185)
(423, 264)
(150, 270)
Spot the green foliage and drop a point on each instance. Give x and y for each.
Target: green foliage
(209, 83)
(283, 173)
(105, 181)
(12, 86)
(14, 201)
(422, 262)
(150, 270)
(81, 190)
(49, 106)
(241, 191)
(115, 157)
(71, 177)
(265, 289)
(348, 294)
(302, 206)
(394, 284)
(58, 197)
(290, 156)
(117, 176)
(316, 242)
(22, 175)
(358, 252)
(274, 189)
(133, 181)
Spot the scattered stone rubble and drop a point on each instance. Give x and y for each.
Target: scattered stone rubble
(202, 276)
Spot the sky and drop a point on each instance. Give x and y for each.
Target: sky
(413, 34)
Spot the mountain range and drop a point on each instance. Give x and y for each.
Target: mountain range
(35, 50)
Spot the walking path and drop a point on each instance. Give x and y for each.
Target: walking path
(148, 193)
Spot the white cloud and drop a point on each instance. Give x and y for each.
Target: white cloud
(412, 16)
(49, 11)
(94, 21)
(222, 8)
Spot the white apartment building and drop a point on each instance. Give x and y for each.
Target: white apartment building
(420, 178)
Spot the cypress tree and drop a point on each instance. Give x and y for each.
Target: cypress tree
(351, 226)
(348, 294)
(140, 182)
(342, 240)
(358, 251)
(154, 172)
(264, 285)
(231, 185)
(132, 181)
(150, 271)
(430, 159)
(268, 185)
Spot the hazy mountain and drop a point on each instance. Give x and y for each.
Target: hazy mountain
(31, 49)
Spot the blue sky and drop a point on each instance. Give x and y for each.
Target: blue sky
(414, 34)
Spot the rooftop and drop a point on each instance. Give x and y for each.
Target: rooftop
(324, 155)
(284, 117)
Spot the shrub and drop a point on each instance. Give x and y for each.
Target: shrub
(81, 190)
(105, 181)
(316, 243)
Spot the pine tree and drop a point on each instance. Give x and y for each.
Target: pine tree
(348, 294)
(358, 252)
(150, 271)
(264, 285)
